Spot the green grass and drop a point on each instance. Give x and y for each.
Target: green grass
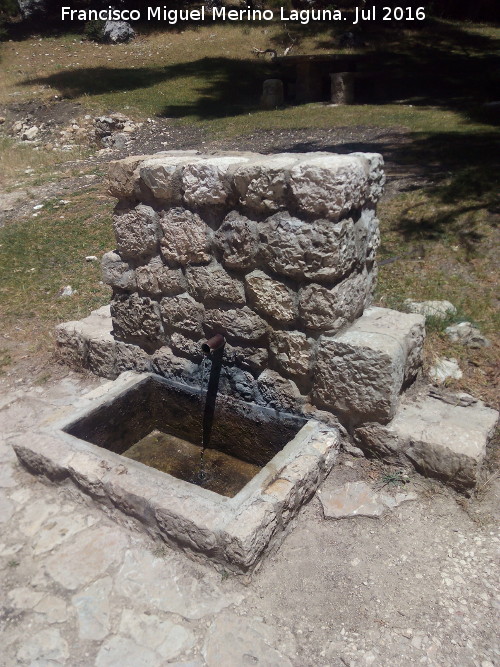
(41, 255)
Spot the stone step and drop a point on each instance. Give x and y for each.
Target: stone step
(444, 438)
(361, 372)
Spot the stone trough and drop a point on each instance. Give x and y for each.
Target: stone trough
(277, 254)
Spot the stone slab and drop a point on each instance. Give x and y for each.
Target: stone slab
(442, 440)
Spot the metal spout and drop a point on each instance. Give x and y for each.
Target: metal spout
(215, 343)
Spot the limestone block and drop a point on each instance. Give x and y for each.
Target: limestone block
(270, 297)
(237, 239)
(136, 319)
(212, 283)
(367, 235)
(291, 351)
(136, 232)
(116, 272)
(442, 440)
(324, 309)
(162, 177)
(168, 364)
(376, 175)
(131, 358)
(182, 312)
(317, 250)
(329, 186)
(237, 323)
(101, 356)
(360, 372)
(123, 175)
(186, 238)
(207, 183)
(157, 279)
(71, 345)
(438, 309)
(262, 184)
(279, 392)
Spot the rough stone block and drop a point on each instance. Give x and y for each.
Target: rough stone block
(186, 347)
(212, 283)
(360, 372)
(240, 323)
(131, 358)
(271, 298)
(247, 357)
(442, 440)
(207, 182)
(136, 232)
(318, 250)
(367, 235)
(136, 319)
(183, 312)
(262, 183)
(279, 392)
(291, 351)
(168, 364)
(376, 175)
(122, 177)
(186, 238)
(329, 186)
(117, 273)
(162, 177)
(329, 309)
(157, 279)
(237, 239)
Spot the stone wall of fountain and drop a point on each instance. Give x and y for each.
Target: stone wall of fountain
(275, 252)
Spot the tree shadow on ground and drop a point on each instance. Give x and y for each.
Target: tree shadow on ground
(224, 86)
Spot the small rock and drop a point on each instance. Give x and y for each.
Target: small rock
(2, 120)
(30, 134)
(444, 369)
(438, 309)
(66, 291)
(91, 258)
(467, 334)
(118, 31)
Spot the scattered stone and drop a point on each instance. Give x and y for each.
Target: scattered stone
(118, 32)
(66, 291)
(30, 134)
(437, 309)
(467, 334)
(445, 369)
(358, 499)
(91, 258)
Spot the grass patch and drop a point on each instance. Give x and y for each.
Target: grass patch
(40, 256)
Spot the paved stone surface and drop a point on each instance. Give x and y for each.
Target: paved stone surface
(419, 587)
